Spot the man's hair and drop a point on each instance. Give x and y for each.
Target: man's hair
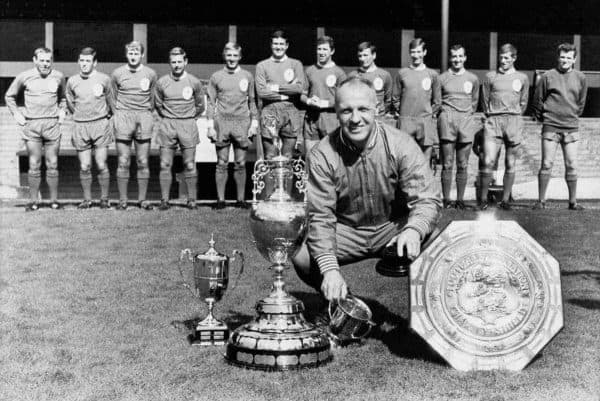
(134, 44)
(88, 51)
(366, 45)
(280, 33)
(322, 40)
(232, 46)
(416, 42)
(457, 47)
(177, 51)
(355, 80)
(508, 48)
(42, 50)
(565, 48)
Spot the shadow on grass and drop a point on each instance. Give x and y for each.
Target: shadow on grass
(593, 304)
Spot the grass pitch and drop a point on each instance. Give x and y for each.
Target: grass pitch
(91, 308)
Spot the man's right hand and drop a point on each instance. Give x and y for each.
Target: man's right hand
(211, 134)
(334, 286)
(20, 119)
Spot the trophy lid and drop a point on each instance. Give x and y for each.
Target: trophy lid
(211, 254)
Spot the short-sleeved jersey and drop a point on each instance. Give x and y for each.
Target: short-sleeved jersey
(231, 94)
(460, 92)
(504, 93)
(417, 92)
(179, 97)
(322, 82)
(88, 97)
(559, 99)
(287, 73)
(382, 82)
(43, 95)
(133, 89)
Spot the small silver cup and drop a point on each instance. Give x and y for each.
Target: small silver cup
(350, 319)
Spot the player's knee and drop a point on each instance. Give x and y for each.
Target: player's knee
(165, 164)
(142, 163)
(547, 165)
(86, 168)
(571, 169)
(461, 167)
(221, 166)
(239, 166)
(124, 162)
(51, 165)
(447, 165)
(190, 166)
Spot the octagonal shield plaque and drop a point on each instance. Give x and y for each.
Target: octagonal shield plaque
(486, 295)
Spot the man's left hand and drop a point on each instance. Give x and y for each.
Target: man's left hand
(253, 130)
(409, 240)
(61, 116)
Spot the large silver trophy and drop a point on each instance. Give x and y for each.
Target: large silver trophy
(279, 338)
(207, 278)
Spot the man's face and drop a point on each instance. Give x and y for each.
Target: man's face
(177, 63)
(324, 53)
(366, 58)
(232, 58)
(417, 54)
(278, 47)
(43, 63)
(506, 61)
(355, 107)
(86, 64)
(457, 59)
(134, 56)
(566, 61)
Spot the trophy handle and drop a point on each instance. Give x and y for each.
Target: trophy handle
(240, 256)
(190, 257)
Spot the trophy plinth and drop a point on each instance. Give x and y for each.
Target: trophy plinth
(210, 331)
(279, 338)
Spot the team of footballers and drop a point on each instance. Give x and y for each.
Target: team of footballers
(433, 108)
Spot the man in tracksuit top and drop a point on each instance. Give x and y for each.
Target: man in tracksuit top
(319, 94)
(45, 102)
(179, 100)
(504, 98)
(89, 97)
(417, 97)
(369, 188)
(232, 120)
(380, 78)
(457, 125)
(133, 86)
(279, 84)
(558, 103)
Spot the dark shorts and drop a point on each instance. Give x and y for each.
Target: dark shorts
(454, 126)
(317, 124)
(130, 124)
(232, 131)
(173, 132)
(41, 130)
(90, 134)
(423, 129)
(561, 137)
(281, 117)
(507, 128)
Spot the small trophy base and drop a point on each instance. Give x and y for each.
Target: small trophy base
(392, 265)
(214, 333)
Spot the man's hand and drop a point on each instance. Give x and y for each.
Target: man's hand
(211, 134)
(334, 286)
(61, 116)
(273, 87)
(409, 240)
(20, 119)
(253, 130)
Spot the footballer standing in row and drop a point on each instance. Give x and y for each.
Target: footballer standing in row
(232, 120)
(319, 94)
(457, 124)
(504, 97)
(44, 89)
(133, 86)
(89, 97)
(380, 78)
(417, 98)
(179, 101)
(279, 84)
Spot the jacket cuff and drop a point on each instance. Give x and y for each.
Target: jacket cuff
(327, 261)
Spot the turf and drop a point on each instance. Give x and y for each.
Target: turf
(92, 308)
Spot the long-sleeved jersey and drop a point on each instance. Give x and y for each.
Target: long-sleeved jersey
(417, 92)
(559, 99)
(387, 181)
(231, 94)
(382, 82)
(460, 92)
(180, 98)
(43, 95)
(287, 74)
(322, 82)
(133, 89)
(504, 93)
(89, 97)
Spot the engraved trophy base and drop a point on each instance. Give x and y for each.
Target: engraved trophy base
(210, 332)
(279, 338)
